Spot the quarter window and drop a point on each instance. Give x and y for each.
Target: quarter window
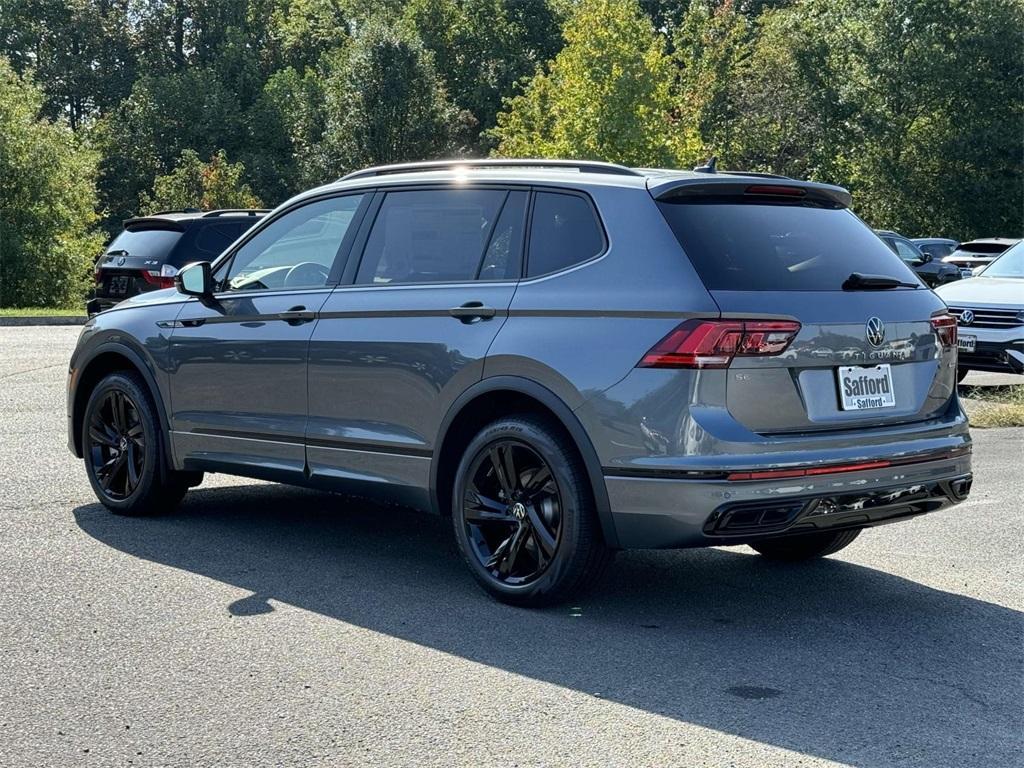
(563, 232)
(427, 236)
(297, 250)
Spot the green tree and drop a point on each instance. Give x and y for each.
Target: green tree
(608, 94)
(195, 184)
(483, 48)
(383, 104)
(47, 197)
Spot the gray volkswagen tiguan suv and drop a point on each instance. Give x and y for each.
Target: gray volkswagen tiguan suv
(565, 358)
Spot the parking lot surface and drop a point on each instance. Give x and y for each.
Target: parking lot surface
(260, 625)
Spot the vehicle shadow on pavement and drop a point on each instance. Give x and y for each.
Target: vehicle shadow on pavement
(830, 659)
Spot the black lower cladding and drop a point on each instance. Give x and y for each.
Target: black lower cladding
(749, 520)
(992, 357)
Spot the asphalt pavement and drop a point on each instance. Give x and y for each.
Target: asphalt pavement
(260, 625)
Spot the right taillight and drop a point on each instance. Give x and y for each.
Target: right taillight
(714, 343)
(945, 329)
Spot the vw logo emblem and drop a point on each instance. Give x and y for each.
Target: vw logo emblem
(966, 317)
(518, 511)
(875, 331)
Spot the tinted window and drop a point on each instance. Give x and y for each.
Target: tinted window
(430, 236)
(146, 243)
(213, 239)
(778, 247)
(937, 251)
(297, 250)
(563, 232)
(501, 260)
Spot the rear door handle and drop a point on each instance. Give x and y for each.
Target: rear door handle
(296, 316)
(472, 311)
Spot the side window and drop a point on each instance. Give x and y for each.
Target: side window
(214, 238)
(501, 260)
(906, 252)
(295, 251)
(430, 236)
(563, 232)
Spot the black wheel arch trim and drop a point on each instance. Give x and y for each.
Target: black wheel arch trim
(138, 361)
(565, 416)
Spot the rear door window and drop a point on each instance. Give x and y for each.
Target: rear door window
(430, 236)
(740, 246)
(564, 231)
(906, 252)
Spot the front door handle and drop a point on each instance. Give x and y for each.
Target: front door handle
(472, 311)
(296, 316)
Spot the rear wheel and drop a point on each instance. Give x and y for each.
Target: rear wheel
(524, 515)
(122, 445)
(805, 546)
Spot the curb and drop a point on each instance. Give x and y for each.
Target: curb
(43, 320)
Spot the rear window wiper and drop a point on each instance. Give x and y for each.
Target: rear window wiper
(861, 282)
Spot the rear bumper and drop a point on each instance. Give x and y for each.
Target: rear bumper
(995, 356)
(674, 512)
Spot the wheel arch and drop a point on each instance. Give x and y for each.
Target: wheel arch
(493, 397)
(106, 358)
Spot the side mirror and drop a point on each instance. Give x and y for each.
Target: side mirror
(925, 257)
(195, 279)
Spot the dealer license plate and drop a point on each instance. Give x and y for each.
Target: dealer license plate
(966, 343)
(862, 389)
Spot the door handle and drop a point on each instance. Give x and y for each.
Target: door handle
(472, 311)
(296, 316)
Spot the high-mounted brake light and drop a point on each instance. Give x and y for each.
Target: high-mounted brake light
(775, 189)
(714, 343)
(945, 329)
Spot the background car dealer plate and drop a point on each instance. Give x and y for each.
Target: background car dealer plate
(966, 343)
(865, 388)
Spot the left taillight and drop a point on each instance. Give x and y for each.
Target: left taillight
(945, 329)
(714, 343)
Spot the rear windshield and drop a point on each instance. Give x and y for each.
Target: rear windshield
(984, 249)
(778, 247)
(146, 243)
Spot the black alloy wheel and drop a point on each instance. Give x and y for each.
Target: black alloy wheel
(117, 444)
(512, 512)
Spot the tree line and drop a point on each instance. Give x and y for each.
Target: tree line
(109, 108)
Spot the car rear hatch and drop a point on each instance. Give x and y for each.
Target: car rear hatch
(879, 350)
(135, 261)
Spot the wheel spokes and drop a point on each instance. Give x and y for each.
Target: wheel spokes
(501, 460)
(541, 534)
(481, 508)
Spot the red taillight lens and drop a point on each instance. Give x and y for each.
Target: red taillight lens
(714, 343)
(154, 278)
(945, 329)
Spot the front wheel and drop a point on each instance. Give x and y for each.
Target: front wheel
(805, 546)
(524, 516)
(123, 450)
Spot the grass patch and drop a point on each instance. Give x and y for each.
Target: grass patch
(995, 406)
(42, 312)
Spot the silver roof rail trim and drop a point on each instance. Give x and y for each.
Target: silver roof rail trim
(583, 166)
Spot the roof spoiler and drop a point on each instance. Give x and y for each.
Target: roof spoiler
(741, 185)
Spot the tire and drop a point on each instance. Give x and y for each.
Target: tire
(805, 546)
(123, 449)
(496, 531)
(961, 374)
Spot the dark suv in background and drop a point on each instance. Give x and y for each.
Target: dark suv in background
(151, 249)
(565, 358)
(931, 270)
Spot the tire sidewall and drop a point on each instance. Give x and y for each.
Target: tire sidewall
(151, 435)
(573, 506)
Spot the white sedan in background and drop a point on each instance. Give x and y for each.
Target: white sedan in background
(990, 313)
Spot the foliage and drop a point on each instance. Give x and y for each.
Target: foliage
(608, 94)
(195, 184)
(47, 201)
(383, 103)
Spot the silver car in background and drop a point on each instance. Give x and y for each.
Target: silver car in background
(990, 312)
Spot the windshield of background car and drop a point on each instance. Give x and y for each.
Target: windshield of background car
(767, 246)
(937, 250)
(1010, 264)
(153, 244)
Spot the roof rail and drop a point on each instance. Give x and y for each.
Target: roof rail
(583, 166)
(247, 211)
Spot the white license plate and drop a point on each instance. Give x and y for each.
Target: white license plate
(966, 343)
(966, 272)
(862, 389)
